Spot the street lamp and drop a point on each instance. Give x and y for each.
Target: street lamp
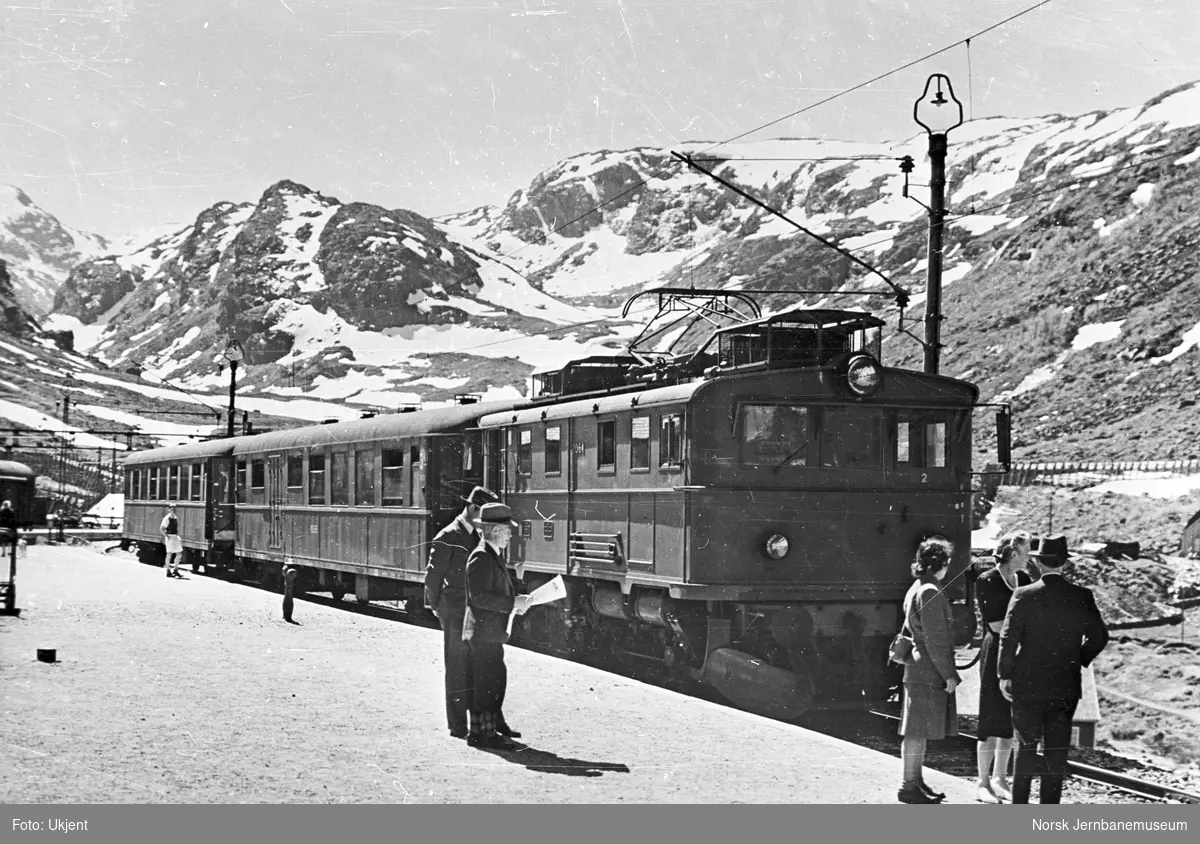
(233, 353)
(931, 114)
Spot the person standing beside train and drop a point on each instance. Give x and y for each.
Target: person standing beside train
(931, 678)
(993, 590)
(445, 590)
(172, 542)
(8, 523)
(1052, 630)
(491, 598)
(290, 573)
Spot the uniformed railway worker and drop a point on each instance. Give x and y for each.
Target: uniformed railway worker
(491, 598)
(446, 593)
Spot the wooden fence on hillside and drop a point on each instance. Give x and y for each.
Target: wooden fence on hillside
(1089, 473)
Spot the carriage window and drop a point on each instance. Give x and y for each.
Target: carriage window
(393, 477)
(774, 435)
(257, 474)
(607, 453)
(639, 443)
(364, 488)
(851, 438)
(173, 488)
(152, 485)
(197, 482)
(133, 484)
(670, 441)
(295, 471)
(920, 440)
(339, 478)
(241, 482)
(415, 481)
(316, 479)
(525, 453)
(554, 450)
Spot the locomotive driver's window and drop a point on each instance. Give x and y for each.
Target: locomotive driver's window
(774, 435)
(851, 438)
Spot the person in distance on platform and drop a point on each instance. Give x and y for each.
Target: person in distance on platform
(445, 590)
(174, 545)
(8, 523)
(930, 680)
(1051, 631)
(491, 598)
(993, 590)
(289, 591)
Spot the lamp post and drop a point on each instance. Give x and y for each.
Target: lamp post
(937, 121)
(233, 353)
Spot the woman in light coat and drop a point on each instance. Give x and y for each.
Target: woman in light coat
(930, 680)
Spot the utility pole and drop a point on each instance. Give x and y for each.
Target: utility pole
(936, 118)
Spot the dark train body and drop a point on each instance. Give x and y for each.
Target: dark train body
(746, 516)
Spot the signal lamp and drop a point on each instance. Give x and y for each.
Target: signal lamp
(864, 376)
(777, 547)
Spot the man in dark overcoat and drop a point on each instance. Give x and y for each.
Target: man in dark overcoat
(491, 598)
(445, 590)
(1052, 630)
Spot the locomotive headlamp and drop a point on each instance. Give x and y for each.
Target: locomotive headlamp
(777, 547)
(863, 376)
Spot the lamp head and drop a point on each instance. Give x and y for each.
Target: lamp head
(928, 110)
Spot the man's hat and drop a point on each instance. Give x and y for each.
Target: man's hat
(495, 514)
(1053, 550)
(480, 496)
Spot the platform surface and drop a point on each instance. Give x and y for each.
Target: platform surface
(197, 691)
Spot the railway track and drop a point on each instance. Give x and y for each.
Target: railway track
(874, 729)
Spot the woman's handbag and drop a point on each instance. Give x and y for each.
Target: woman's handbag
(902, 649)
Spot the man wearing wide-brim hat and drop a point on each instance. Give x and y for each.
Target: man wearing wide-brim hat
(1052, 630)
(491, 598)
(445, 590)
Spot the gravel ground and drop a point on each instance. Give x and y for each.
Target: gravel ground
(196, 691)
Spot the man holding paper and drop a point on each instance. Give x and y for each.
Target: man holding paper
(491, 600)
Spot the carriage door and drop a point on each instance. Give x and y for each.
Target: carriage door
(276, 498)
(447, 479)
(219, 514)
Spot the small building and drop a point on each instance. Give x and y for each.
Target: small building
(1191, 536)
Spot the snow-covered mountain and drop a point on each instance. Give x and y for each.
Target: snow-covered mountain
(38, 250)
(1071, 277)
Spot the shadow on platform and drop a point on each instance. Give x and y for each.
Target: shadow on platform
(546, 762)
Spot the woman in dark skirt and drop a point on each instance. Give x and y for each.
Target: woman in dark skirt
(993, 590)
(929, 682)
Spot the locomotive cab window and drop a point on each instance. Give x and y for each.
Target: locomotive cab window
(921, 440)
(553, 450)
(774, 435)
(851, 438)
(393, 477)
(670, 441)
(525, 452)
(606, 450)
(316, 479)
(639, 444)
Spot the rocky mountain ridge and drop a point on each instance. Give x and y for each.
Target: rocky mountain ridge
(1071, 283)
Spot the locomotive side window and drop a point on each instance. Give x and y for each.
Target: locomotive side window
(364, 487)
(554, 450)
(316, 479)
(173, 488)
(393, 477)
(606, 454)
(525, 453)
(295, 471)
(774, 435)
(339, 478)
(639, 443)
(670, 441)
(851, 438)
(241, 482)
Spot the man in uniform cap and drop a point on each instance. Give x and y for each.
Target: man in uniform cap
(1051, 631)
(445, 591)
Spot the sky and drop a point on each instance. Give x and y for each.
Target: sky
(120, 116)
